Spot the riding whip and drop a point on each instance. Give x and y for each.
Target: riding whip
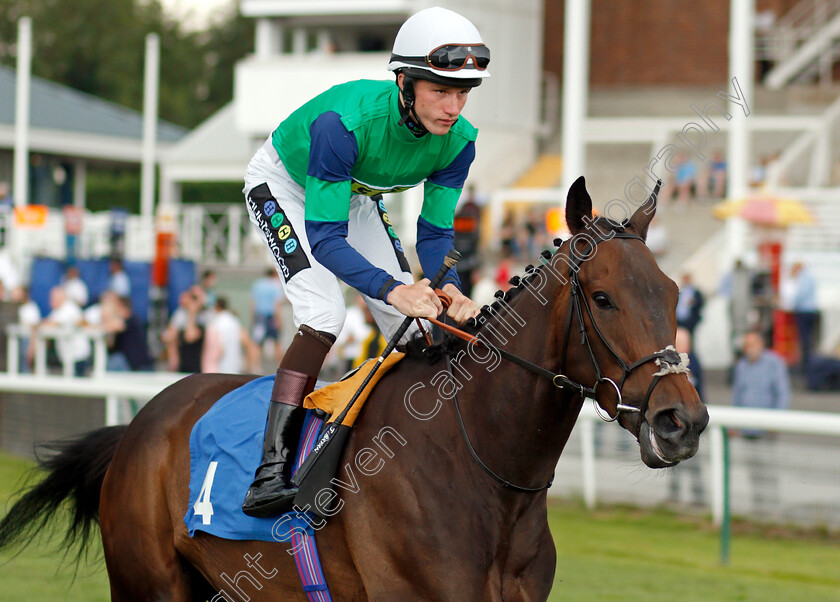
(326, 454)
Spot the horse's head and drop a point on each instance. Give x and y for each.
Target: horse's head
(620, 325)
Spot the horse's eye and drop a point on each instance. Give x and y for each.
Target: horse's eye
(602, 300)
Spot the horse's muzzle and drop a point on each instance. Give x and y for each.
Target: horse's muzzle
(672, 435)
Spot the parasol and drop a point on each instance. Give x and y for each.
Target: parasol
(765, 211)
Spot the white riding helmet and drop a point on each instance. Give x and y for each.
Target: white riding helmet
(441, 46)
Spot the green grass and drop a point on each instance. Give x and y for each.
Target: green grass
(614, 554)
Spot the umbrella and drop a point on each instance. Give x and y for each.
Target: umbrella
(765, 211)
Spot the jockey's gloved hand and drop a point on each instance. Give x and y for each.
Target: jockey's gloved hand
(416, 300)
(462, 308)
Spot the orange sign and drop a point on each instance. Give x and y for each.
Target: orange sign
(31, 216)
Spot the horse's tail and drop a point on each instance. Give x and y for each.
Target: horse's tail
(74, 472)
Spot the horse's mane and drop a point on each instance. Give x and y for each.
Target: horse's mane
(419, 348)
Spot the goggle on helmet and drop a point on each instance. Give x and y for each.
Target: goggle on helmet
(441, 46)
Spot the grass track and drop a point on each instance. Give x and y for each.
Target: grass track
(615, 554)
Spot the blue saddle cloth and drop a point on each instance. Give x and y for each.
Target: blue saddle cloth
(225, 452)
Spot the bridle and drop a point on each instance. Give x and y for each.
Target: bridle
(669, 360)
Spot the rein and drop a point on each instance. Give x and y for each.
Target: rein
(668, 359)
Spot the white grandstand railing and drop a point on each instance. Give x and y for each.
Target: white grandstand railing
(209, 234)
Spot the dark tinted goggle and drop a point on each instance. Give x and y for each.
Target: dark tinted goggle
(452, 57)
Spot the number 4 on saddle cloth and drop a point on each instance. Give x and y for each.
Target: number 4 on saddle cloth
(226, 449)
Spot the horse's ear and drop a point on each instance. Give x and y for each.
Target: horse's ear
(578, 207)
(642, 217)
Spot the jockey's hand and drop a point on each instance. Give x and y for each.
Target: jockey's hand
(462, 308)
(416, 300)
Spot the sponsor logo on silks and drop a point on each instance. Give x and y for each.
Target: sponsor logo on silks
(272, 243)
(282, 242)
(357, 187)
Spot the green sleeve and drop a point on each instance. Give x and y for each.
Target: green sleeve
(327, 201)
(439, 204)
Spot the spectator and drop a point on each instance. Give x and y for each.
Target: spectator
(737, 287)
(799, 296)
(266, 307)
(129, 350)
(75, 349)
(75, 287)
(761, 381)
(536, 231)
(209, 279)
(691, 468)
(118, 282)
(689, 305)
(96, 314)
(686, 177)
(184, 336)
(225, 341)
(9, 275)
(29, 316)
(508, 234)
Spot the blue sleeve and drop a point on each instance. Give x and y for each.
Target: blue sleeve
(332, 150)
(433, 243)
(328, 241)
(455, 174)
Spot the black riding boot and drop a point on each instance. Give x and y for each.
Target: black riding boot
(271, 493)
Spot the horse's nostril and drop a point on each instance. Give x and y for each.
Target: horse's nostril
(667, 424)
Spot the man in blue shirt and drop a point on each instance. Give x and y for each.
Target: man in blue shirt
(805, 310)
(761, 381)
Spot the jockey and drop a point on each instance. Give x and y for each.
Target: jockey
(308, 191)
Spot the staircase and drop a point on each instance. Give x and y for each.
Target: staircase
(802, 45)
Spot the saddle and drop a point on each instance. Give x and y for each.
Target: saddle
(332, 398)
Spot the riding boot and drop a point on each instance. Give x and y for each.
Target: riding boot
(271, 493)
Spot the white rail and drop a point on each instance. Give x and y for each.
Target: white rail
(111, 386)
(720, 417)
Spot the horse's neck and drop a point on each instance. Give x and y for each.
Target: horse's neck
(517, 420)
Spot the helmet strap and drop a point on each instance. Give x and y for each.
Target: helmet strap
(406, 105)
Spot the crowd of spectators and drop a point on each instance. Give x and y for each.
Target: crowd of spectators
(203, 334)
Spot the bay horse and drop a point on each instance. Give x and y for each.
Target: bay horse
(457, 507)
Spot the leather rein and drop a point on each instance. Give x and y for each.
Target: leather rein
(668, 359)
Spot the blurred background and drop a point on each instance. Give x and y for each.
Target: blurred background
(126, 127)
